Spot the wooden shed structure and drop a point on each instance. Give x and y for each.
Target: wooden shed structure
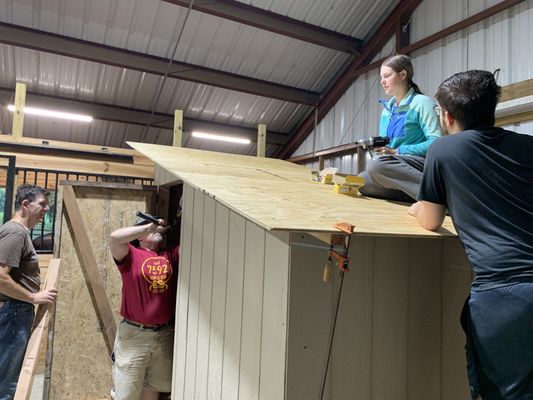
(254, 316)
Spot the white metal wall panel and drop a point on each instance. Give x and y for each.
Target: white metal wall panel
(502, 41)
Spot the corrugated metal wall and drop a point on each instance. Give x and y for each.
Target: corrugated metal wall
(502, 41)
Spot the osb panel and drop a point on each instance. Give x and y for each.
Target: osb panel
(81, 367)
(277, 194)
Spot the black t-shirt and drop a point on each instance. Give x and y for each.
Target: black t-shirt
(485, 179)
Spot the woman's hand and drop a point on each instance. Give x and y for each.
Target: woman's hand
(384, 150)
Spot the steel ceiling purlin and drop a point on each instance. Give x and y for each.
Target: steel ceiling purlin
(269, 21)
(374, 45)
(126, 115)
(51, 43)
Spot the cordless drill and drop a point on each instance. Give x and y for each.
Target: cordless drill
(373, 142)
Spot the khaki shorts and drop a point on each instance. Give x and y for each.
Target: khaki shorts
(142, 360)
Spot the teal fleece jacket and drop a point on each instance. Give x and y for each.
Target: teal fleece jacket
(412, 125)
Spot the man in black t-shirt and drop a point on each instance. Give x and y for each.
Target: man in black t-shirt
(484, 176)
(19, 284)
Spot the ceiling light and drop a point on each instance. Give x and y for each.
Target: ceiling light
(54, 114)
(221, 138)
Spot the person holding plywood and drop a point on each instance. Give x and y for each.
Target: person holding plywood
(144, 344)
(483, 175)
(19, 284)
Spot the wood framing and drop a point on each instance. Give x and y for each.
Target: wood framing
(80, 165)
(40, 327)
(178, 128)
(18, 115)
(261, 139)
(515, 119)
(90, 268)
(81, 366)
(59, 147)
(517, 90)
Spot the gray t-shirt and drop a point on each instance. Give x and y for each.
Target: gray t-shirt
(17, 252)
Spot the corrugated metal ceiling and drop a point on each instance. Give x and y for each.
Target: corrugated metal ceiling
(152, 27)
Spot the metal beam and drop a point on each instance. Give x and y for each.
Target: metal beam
(51, 43)
(136, 117)
(371, 49)
(269, 21)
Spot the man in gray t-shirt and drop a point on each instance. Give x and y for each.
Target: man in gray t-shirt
(19, 284)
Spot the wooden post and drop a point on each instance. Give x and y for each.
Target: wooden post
(18, 115)
(40, 324)
(261, 140)
(89, 267)
(321, 162)
(178, 128)
(361, 160)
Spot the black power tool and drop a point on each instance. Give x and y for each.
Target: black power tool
(374, 141)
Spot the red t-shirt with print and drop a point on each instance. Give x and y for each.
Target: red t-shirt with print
(149, 282)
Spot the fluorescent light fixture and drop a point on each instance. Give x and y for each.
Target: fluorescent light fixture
(221, 138)
(54, 114)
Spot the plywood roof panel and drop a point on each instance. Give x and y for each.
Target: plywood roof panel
(279, 195)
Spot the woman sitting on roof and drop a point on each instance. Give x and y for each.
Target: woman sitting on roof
(410, 120)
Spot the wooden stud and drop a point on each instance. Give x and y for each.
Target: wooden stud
(42, 318)
(517, 90)
(90, 268)
(18, 115)
(261, 140)
(81, 165)
(321, 161)
(515, 119)
(178, 128)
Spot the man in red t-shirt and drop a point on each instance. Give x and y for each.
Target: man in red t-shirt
(144, 342)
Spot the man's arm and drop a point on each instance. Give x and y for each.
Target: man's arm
(120, 238)
(429, 215)
(12, 289)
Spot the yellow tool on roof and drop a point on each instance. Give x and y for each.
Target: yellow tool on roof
(350, 186)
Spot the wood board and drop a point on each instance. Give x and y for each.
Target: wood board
(81, 367)
(279, 195)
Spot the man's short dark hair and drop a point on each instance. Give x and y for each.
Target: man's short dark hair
(470, 97)
(28, 192)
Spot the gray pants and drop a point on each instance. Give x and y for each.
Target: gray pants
(393, 177)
